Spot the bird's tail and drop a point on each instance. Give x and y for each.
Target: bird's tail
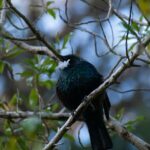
(100, 139)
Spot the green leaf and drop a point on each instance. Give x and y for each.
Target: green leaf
(8, 131)
(31, 126)
(48, 83)
(31, 62)
(135, 26)
(120, 114)
(131, 123)
(128, 27)
(12, 142)
(57, 38)
(2, 66)
(49, 3)
(48, 66)
(141, 18)
(69, 136)
(14, 53)
(22, 143)
(66, 39)
(52, 13)
(1, 2)
(9, 69)
(54, 107)
(16, 99)
(26, 74)
(131, 47)
(13, 100)
(136, 120)
(33, 98)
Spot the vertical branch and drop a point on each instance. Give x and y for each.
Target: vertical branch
(127, 35)
(109, 9)
(3, 12)
(96, 50)
(66, 10)
(112, 32)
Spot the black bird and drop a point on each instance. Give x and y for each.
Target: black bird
(76, 81)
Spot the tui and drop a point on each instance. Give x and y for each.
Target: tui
(77, 79)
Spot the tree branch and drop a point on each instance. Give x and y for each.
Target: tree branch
(3, 12)
(100, 89)
(34, 30)
(113, 124)
(120, 15)
(11, 38)
(27, 114)
(42, 50)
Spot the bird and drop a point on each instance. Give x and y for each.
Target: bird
(77, 79)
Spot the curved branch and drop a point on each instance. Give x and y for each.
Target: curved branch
(42, 50)
(11, 38)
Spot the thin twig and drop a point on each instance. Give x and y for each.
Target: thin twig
(79, 28)
(109, 9)
(14, 25)
(79, 131)
(18, 39)
(106, 41)
(96, 50)
(113, 69)
(130, 90)
(127, 18)
(66, 10)
(127, 35)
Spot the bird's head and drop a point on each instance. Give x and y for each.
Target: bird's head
(69, 61)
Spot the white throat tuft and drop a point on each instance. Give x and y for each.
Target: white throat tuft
(63, 64)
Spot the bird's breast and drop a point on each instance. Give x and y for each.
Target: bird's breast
(74, 84)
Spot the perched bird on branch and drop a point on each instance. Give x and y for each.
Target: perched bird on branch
(77, 79)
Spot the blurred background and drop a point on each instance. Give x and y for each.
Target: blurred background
(27, 81)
